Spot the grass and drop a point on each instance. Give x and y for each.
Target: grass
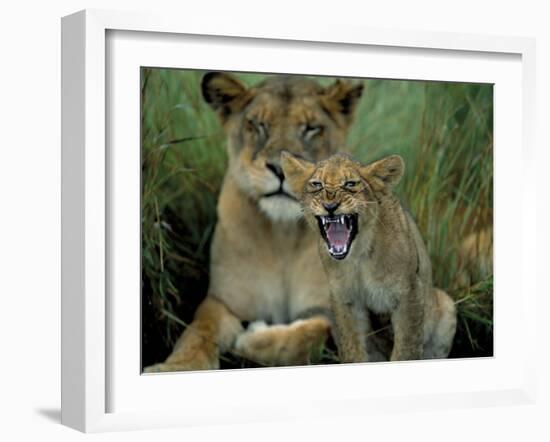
(443, 131)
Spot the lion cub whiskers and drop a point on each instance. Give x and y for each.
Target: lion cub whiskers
(373, 255)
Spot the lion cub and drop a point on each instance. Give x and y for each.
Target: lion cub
(373, 255)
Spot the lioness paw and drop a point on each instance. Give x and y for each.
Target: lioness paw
(186, 361)
(256, 326)
(283, 344)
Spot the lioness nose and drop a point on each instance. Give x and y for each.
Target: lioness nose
(331, 207)
(276, 169)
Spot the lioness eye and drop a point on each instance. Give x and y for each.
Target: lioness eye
(350, 184)
(311, 130)
(317, 185)
(258, 126)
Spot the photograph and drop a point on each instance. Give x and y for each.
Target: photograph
(293, 220)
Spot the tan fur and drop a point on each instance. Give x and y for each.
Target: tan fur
(387, 269)
(475, 253)
(475, 256)
(264, 264)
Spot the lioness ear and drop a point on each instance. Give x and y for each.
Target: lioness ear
(224, 93)
(384, 173)
(341, 98)
(297, 171)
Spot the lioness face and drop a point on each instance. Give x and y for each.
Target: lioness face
(283, 113)
(340, 196)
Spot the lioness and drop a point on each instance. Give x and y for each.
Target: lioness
(264, 264)
(373, 255)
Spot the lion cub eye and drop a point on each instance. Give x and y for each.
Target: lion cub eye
(316, 185)
(351, 184)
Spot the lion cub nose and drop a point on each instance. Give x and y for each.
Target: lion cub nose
(276, 169)
(331, 207)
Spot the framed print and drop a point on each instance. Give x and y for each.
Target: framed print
(174, 189)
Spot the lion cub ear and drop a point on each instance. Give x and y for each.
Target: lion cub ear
(340, 100)
(297, 171)
(385, 173)
(224, 93)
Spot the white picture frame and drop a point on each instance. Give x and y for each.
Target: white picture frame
(87, 354)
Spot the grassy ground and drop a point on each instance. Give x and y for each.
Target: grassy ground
(443, 131)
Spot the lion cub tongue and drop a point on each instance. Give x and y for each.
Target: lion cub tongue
(337, 234)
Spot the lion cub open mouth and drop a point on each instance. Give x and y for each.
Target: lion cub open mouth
(338, 231)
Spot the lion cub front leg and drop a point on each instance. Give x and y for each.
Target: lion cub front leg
(407, 321)
(351, 325)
